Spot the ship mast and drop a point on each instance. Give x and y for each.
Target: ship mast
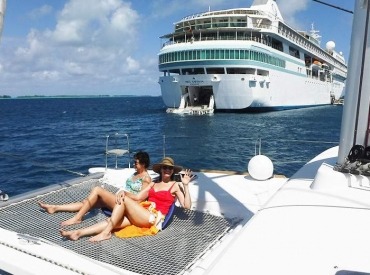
(355, 120)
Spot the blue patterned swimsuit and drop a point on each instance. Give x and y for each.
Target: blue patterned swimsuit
(134, 186)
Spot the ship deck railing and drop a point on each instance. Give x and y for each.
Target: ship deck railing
(201, 35)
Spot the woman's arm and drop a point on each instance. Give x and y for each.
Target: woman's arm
(142, 195)
(121, 193)
(146, 181)
(184, 197)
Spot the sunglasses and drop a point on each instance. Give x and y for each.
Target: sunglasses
(165, 167)
(136, 162)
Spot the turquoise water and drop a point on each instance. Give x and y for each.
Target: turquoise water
(44, 140)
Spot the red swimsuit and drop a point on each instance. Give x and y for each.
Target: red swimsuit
(163, 199)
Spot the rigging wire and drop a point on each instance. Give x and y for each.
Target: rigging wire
(336, 7)
(50, 167)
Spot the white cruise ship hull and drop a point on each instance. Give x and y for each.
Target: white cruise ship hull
(279, 91)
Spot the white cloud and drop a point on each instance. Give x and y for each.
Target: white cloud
(123, 19)
(93, 41)
(132, 65)
(45, 75)
(74, 68)
(106, 22)
(34, 47)
(68, 31)
(174, 6)
(289, 10)
(40, 12)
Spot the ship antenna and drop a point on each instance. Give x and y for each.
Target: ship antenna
(315, 33)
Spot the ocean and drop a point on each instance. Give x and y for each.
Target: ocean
(49, 140)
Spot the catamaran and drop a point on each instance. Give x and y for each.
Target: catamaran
(316, 222)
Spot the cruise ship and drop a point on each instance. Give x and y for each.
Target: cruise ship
(247, 59)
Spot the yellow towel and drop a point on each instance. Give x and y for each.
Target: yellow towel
(134, 231)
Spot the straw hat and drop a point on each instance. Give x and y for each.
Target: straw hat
(167, 161)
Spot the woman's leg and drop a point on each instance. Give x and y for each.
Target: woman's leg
(97, 198)
(52, 208)
(117, 215)
(74, 235)
(124, 214)
(103, 200)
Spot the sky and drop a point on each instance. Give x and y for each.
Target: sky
(110, 47)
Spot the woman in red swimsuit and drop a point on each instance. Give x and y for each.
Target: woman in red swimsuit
(129, 211)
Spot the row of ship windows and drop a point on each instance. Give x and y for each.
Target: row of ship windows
(218, 70)
(209, 25)
(213, 54)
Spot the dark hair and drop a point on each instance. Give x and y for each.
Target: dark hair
(143, 158)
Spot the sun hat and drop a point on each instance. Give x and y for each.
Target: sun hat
(167, 161)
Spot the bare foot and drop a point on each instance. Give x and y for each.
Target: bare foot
(71, 235)
(100, 237)
(47, 207)
(70, 221)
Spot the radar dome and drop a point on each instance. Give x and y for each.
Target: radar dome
(330, 46)
(260, 167)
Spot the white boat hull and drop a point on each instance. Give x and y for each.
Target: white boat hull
(239, 92)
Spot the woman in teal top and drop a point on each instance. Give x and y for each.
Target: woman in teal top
(100, 197)
(134, 186)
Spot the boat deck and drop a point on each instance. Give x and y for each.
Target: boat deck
(172, 251)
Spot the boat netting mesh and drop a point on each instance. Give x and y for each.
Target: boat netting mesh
(171, 251)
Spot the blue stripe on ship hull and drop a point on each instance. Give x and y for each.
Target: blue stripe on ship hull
(266, 109)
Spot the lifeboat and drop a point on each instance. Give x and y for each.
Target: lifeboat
(316, 65)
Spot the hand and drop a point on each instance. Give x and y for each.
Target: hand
(187, 177)
(120, 197)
